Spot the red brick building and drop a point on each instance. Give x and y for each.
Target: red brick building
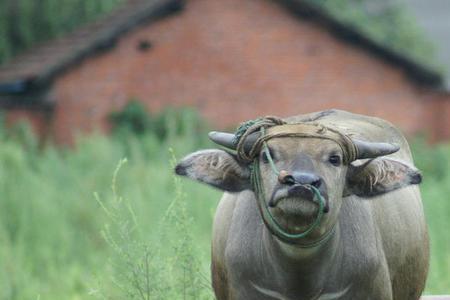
(233, 60)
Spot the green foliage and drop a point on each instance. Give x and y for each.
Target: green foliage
(133, 118)
(23, 23)
(434, 162)
(135, 121)
(142, 270)
(388, 22)
(66, 232)
(52, 229)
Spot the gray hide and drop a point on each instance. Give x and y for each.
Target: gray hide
(378, 250)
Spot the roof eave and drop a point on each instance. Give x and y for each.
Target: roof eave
(108, 40)
(155, 11)
(413, 69)
(14, 87)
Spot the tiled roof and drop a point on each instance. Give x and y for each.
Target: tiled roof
(44, 61)
(414, 69)
(433, 16)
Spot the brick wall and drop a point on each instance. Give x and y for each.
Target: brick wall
(235, 60)
(37, 119)
(437, 116)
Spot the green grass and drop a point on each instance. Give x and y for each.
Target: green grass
(65, 233)
(52, 227)
(435, 165)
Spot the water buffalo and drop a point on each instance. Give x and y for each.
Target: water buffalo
(318, 206)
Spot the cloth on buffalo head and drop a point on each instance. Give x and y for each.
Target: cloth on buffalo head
(258, 131)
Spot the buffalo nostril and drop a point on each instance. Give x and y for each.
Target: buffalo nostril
(285, 178)
(289, 180)
(316, 183)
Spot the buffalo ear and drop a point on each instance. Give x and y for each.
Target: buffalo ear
(379, 176)
(217, 168)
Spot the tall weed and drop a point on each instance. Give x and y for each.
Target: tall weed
(144, 270)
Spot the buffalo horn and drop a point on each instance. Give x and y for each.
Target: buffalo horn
(227, 140)
(372, 150)
(223, 139)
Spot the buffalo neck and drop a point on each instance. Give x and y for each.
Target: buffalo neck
(303, 268)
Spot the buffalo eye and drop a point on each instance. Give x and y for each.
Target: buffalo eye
(264, 156)
(335, 160)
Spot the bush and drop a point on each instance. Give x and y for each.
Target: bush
(134, 120)
(142, 270)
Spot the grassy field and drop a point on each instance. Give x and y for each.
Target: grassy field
(74, 226)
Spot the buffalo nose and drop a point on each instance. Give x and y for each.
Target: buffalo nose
(307, 178)
(299, 177)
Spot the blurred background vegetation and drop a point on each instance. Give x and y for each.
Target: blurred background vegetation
(388, 22)
(24, 23)
(69, 231)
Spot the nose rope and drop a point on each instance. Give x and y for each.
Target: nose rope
(273, 226)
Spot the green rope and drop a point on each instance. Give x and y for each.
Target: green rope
(240, 131)
(269, 157)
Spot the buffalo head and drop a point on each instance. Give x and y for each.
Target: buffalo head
(336, 167)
